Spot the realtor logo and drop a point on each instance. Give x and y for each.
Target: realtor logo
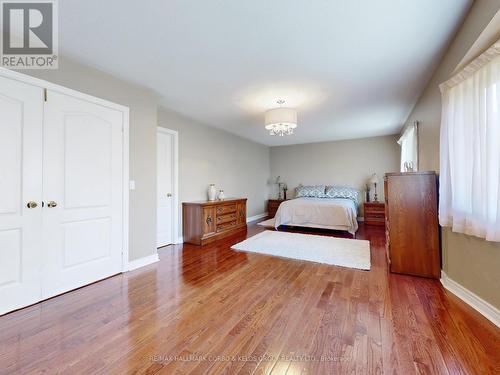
(29, 34)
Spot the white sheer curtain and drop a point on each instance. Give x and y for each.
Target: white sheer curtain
(470, 149)
(409, 147)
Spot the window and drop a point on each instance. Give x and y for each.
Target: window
(409, 148)
(470, 149)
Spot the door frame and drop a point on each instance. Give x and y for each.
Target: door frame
(125, 142)
(176, 238)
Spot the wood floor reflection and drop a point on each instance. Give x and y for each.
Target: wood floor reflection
(213, 310)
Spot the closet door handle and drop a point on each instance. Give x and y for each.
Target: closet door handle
(52, 204)
(32, 205)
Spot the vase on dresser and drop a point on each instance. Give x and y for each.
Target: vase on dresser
(221, 196)
(212, 193)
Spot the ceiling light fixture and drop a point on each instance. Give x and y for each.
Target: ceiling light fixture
(281, 121)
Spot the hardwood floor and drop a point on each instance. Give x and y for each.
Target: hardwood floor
(213, 310)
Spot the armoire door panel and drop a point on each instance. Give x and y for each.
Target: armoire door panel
(21, 116)
(83, 164)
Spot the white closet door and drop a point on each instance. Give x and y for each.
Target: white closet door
(82, 190)
(21, 113)
(165, 160)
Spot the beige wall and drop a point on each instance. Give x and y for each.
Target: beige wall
(349, 162)
(472, 262)
(207, 155)
(143, 120)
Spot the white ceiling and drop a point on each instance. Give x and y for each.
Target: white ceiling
(351, 68)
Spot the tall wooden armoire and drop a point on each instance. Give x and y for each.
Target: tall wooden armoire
(412, 230)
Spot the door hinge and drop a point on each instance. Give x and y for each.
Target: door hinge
(44, 95)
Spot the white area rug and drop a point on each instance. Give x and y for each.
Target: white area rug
(321, 249)
(269, 223)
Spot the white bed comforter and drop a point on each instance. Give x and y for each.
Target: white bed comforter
(321, 212)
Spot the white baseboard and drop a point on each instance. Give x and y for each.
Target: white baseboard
(256, 217)
(180, 240)
(489, 311)
(141, 262)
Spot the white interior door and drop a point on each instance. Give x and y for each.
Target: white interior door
(21, 114)
(82, 190)
(165, 181)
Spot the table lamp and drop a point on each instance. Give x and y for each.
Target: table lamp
(374, 181)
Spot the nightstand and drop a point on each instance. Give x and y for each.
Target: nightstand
(375, 213)
(272, 206)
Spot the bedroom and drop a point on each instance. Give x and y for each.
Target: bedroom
(86, 285)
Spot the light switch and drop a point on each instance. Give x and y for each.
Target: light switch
(132, 184)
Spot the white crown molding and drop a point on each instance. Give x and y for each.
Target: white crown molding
(22, 77)
(489, 311)
(488, 36)
(142, 262)
(256, 217)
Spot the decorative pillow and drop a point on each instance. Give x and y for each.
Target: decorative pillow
(342, 192)
(314, 191)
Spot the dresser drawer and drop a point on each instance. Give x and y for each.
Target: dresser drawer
(375, 215)
(221, 219)
(374, 221)
(226, 226)
(226, 209)
(272, 206)
(375, 209)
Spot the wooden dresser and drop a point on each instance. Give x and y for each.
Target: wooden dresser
(207, 221)
(374, 213)
(412, 231)
(272, 206)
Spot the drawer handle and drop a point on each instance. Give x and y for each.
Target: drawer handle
(209, 219)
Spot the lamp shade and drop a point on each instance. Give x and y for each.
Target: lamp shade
(281, 116)
(374, 179)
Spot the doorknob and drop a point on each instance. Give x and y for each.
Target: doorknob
(32, 204)
(52, 204)
(169, 195)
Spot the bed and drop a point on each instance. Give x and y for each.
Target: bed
(325, 212)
